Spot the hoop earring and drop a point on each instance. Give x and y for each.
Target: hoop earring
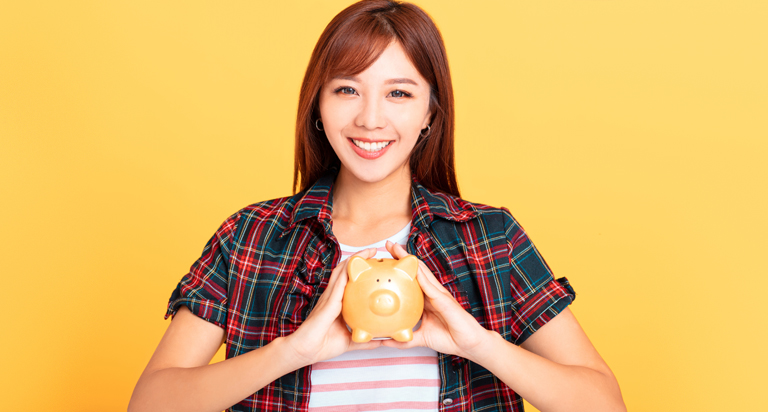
(429, 130)
(319, 125)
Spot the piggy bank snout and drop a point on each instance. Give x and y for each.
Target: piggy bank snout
(384, 302)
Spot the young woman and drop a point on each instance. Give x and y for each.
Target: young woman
(374, 163)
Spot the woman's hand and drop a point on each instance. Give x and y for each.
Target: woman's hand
(445, 326)
(324, 335)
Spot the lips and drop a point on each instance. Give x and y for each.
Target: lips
(368, 149)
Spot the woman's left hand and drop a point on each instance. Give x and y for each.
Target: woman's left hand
(445, 326)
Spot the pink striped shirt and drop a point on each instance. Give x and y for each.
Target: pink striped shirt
(381, 379)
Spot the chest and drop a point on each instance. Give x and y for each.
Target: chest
(275, 281)
(356, 234)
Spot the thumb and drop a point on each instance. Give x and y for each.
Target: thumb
(397, 251)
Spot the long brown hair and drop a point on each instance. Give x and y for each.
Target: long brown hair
(351, 42)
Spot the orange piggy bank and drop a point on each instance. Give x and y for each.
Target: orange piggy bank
(382, 298)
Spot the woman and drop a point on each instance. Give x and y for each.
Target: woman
(374, 161)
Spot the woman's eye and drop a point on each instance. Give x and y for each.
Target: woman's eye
(399, 93)
(345, 90)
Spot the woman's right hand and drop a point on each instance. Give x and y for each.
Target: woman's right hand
(324, 335)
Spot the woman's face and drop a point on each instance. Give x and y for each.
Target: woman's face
(373, 119)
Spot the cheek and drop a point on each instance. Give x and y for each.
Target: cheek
(418, 113)
(335, 116)
(323, 108)
(410, 123)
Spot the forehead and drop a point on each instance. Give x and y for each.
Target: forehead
(393, 66)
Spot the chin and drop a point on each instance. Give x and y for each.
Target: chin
(377, 175)
(372, 177)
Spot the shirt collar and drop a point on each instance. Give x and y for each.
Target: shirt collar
(317, 202)
(427, 204)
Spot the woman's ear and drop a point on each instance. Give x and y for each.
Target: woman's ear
(427, 120)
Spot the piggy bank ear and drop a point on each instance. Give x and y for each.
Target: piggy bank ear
(355, 267)
(409, 265)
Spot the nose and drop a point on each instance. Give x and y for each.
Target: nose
(384, 302)
(371, 114)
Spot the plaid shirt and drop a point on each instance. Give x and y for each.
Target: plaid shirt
(264, 269)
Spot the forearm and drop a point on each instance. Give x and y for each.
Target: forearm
(547, 385)
(212, 387)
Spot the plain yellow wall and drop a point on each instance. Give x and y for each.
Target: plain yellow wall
(628, 137)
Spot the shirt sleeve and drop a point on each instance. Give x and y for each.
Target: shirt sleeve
(204, 289)
(537, 295)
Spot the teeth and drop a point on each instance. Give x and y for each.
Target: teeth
(370, 147)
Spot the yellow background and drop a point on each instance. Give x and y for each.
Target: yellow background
(628, 137)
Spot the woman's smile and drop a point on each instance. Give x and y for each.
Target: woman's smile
(368, 149)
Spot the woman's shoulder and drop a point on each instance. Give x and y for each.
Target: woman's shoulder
(269, 208)
(472, 217)
(457, 209)
(478, 221)
(276, 212)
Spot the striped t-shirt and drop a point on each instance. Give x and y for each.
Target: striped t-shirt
(381, 379)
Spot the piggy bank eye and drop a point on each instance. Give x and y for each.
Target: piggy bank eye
(389, 280)
(377, 280)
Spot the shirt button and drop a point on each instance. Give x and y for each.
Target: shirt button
(447, 401)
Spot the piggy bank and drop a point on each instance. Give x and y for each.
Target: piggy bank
(382, 298)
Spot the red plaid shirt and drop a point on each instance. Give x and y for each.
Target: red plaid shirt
(262, 272)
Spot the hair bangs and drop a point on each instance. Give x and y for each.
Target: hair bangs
(357, 47)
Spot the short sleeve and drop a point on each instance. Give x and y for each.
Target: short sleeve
(204, 289)
(537, 295)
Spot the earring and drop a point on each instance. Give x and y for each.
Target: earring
(319, 125)
(429, 130)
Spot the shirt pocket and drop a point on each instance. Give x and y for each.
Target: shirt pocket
(301, 293)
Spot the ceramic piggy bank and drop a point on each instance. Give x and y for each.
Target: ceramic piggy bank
(382, 298)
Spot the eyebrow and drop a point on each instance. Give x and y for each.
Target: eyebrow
(403, 80)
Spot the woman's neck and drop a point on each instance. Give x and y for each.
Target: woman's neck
(363, 210)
